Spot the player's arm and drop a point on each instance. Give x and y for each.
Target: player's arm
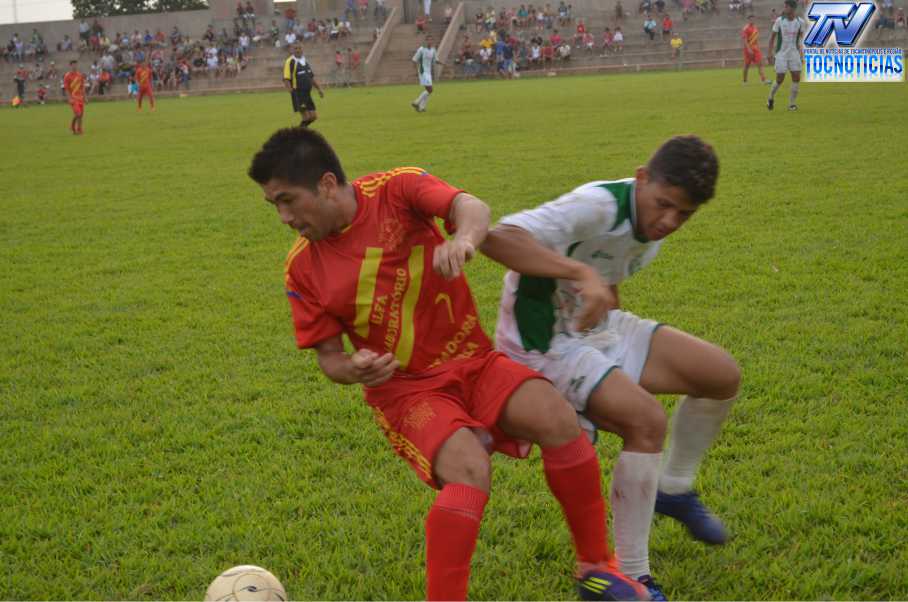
(364, 366)
(471, 218)
(287, 81)
(321, 94)
(518, 250)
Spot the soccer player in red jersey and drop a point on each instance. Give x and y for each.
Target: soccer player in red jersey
(74, 88)
(752, 55)
(144, 79)
(371, 264)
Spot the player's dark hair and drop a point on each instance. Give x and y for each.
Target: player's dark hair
(689, 163)
(791, 3)
(297, 156)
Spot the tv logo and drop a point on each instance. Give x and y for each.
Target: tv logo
(848, 19)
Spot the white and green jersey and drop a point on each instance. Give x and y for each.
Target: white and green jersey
(787, 31)
(425, 59)
(593, 224)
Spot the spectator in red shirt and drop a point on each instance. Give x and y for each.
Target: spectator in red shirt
(667, 26)
(578, 35)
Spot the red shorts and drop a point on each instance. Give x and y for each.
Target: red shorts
(753, 57)
(418, 412)
(78, 107)
(145, 91)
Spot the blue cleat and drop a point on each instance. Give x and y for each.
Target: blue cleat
(654, 589)
(602, 584)
(687, 509)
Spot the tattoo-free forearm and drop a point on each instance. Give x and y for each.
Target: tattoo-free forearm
(472, 218)
(516, 249)
(337, 366)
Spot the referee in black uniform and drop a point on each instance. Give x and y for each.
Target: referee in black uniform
(299, 80)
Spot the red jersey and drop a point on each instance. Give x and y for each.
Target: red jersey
(375, 282)
(74, 83)
(143, 76)
(751, 36)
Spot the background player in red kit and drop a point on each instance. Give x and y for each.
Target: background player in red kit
(371, 263)
(74, 88)
(752, 55)
(144, 79)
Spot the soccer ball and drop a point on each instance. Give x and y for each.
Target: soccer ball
(245, 582)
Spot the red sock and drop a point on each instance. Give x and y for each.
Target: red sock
(572, 472)
(452, 528)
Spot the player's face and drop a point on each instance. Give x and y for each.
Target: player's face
(313, 215)
(661, 208)
(788, 11)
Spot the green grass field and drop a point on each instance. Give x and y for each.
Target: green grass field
(157, 424)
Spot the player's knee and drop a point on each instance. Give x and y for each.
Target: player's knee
(645, 431)
(560, 424)
(463, 459)
(473, 469)
(727, 379)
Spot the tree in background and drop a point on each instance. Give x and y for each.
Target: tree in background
(109, 8)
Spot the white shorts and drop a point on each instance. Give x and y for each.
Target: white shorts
(789, 61)
(425, 79)
(576, 365)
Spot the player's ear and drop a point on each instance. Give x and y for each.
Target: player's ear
(327, 184)
(642, 175)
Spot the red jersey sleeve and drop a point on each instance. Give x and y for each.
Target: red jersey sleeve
(426, 194)
(311, 323)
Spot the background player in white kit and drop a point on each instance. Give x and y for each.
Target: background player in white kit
(567, 258)
(425, 58)
(785, 45)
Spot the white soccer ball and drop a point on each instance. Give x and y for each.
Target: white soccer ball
(245, 582)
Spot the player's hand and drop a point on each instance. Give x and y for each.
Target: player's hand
(372, 369)
(770, 58)
(320, 93)
(450, 257)
(597, 298)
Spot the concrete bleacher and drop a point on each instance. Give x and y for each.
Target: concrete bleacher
(709, 41)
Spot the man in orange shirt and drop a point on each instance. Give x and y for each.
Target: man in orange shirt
(752, 55)
(144, 80)
(74, 88)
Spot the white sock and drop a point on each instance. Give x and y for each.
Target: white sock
(420, 98)
(694, 427)
(424, 100)
(633, 498)
(775, 88)
(793, 95)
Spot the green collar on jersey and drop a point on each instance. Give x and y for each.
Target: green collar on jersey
(625, 194)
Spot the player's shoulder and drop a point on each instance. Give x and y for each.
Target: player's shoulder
(392, 179)
(606, 191)
(298, 254)
(777, 23)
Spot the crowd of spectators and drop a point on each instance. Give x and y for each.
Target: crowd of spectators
(512, 40)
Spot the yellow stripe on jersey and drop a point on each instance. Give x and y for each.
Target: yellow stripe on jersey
(369, 187)
(408, 319)
(365, 290)
(289, 74)
(300, 244)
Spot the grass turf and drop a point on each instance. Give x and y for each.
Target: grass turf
(158, 425)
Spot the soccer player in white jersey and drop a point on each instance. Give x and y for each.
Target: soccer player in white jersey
(559, 315)
(785, 45)
(425, 58)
